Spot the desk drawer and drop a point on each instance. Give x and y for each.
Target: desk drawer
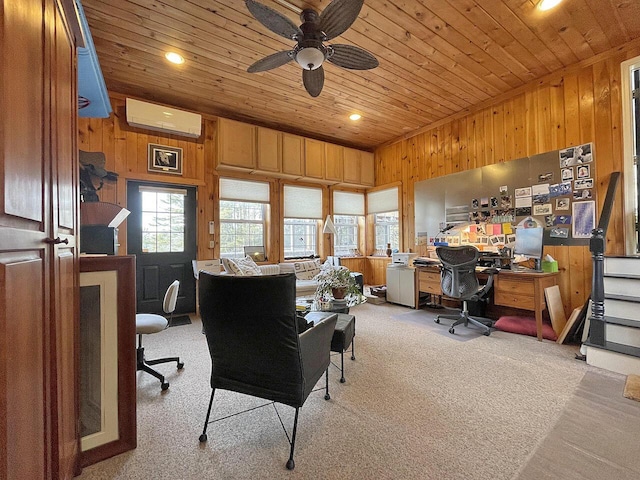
(512, 292)
(429, 283)
(512, 299)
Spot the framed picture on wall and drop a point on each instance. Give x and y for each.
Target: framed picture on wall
(165, 159)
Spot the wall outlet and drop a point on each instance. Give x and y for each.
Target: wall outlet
(212, 243)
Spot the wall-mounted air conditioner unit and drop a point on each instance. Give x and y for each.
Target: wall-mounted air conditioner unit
(163, 119)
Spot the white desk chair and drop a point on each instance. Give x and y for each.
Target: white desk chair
(147, 323)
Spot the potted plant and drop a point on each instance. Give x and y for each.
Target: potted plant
(337, 283)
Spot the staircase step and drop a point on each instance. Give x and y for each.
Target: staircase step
(622, 335)
(625, 322)
(626, 286)
(623, 360)
(622, 275)
(623, 298)
(622, 308)
(622, 265)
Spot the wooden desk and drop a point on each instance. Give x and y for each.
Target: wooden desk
(522, 290)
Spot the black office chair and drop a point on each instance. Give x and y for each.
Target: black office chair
(459, 280)
(252, 331)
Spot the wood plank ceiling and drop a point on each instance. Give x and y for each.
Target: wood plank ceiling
(437, 58)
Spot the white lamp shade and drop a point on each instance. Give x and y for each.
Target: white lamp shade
(329, 227)
(310, 58)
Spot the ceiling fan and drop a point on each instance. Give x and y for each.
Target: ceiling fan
(310, 51)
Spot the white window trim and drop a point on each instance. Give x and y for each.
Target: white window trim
(628, 177)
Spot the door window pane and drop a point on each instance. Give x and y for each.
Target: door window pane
(162, 222)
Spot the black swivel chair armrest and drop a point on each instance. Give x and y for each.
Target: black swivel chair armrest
(487, 286)
(315, 348)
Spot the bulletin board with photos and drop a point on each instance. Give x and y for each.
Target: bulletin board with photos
(554, 190)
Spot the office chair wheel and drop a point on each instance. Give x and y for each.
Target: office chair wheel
(326, 397)
(291, 464)
(437, 320)
(452, 330)
(180, 365)
(203, 438)
(164, 386)
(486, 334)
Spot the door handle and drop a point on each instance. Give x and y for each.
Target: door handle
(56, 241)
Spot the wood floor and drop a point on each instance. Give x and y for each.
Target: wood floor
(596, 436)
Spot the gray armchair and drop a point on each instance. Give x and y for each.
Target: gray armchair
(256, 349)
(459, 280)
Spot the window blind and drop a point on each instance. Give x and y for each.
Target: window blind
(244, 190)
(348, 203)
(383, 200)
(302, 202)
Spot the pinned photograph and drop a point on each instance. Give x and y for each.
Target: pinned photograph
(511, 238)
(505, 202)
(475, 203)
(548, 220)
(584, 183)
(542, 209)
(504, 189)
(523, 211)
(559, 233)
(562, 220)
(542, 189)
(540, 199)
(562, 203)
(584, 171)
(545, 177)
(494, 202)
(572, 156)
(567, 174)
(484, 202)
(560, 189)
(523, 192)
(584, 219)
(582, 194)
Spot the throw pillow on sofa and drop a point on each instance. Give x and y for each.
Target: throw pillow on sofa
(248, 266)
(231, 267)
(307, 270)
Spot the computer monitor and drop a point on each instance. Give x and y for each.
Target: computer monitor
(529, 243)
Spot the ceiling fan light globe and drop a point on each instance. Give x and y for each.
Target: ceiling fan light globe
(310, 58)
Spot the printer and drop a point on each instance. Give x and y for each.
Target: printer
(402, 259)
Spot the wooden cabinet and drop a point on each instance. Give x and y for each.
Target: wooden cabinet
(376, 270)
(269, 156)
(333, 162)
(354, 264)
(292, 154)
(367, 169)
(236, 144)
(358, 167)
(314, 158)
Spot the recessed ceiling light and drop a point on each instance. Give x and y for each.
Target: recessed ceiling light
(174, 57)
(548, 4)
(355, 117)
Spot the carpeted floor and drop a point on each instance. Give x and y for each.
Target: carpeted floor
(416, 405)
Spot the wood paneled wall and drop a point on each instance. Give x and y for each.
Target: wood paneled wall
(125, 149)
(572, 107)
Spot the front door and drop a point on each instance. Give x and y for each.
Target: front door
(161, 233)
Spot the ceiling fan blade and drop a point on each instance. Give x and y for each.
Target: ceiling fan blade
(271, 61)
(352, 57)
(339, 16)
(313, 81)
(273, 20)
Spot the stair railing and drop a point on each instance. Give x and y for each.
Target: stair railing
(597, 245)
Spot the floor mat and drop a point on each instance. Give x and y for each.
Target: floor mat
(425, 318)
(180, 320)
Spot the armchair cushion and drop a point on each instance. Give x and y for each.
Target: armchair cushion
(248, 266)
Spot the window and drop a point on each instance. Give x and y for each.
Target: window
(162, 219)
(635, 118)
(243, 214)
(387, 229)
(346, 241)
(302, 215)
(241, 224)
(348, 209)
(383, 204)
(630, 90)
(300, 237)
